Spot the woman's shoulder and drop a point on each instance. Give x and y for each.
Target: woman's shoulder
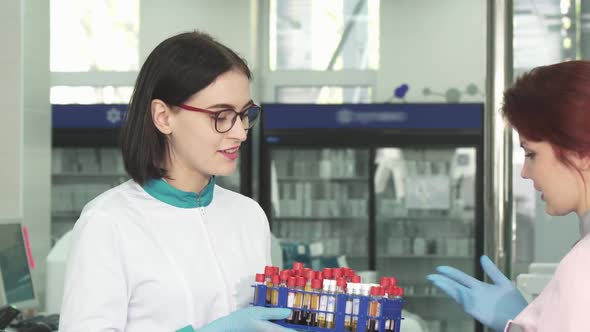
(562, 305)
(575, 262)
(582, 247)
(114, 201)
(115, 210)
(240, 203)
(223, 194)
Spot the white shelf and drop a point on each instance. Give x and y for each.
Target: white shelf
(316, 178)
(311, 219)
(65, 214)
(409, 257)
(91, 175)
(68, 222)
(391, 220)
(422, 257)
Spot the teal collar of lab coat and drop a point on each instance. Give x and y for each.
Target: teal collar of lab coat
(163, 191)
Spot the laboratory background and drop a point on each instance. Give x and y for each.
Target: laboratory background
(345, 172)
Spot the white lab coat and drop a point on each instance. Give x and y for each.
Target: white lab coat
(563, 304)
(137, 264)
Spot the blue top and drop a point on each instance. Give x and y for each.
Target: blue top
(163, 191)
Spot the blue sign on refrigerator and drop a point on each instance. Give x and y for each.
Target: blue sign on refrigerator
(88, 116)
(409, 116)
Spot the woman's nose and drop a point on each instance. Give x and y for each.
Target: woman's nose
(524, 172)
(238, 131)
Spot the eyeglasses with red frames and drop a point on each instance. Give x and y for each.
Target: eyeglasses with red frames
(226, 119)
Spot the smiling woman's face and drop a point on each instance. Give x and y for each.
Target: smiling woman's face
(194, 143)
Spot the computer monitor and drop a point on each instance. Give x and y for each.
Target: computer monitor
(14, 267)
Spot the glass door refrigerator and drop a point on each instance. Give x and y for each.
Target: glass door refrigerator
(392, 188)
(86, 160)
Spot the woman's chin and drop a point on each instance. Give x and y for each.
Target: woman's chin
(226, 171)
(555, 213)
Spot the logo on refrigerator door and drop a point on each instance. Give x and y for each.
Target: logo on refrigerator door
(114, 115)
(347, 116)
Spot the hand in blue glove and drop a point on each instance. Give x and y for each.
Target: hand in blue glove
(491, 304)
(250, 319)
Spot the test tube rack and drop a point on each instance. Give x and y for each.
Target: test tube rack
(391, 310)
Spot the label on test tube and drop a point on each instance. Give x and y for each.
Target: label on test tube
(331, 308)
(355, 308)
(348, 308)
(331, 305)
(291, 282)
(324, 304)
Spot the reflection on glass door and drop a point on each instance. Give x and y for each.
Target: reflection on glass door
(320, 200)
(425, 217)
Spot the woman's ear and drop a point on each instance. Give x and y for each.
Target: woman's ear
(161, 116)
(584, 163)
(579, 161)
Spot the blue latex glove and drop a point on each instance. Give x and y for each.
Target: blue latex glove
(250, 319)
(491, 304)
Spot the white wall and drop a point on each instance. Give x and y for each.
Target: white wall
(432, 43)
(424, 43)
(232, 22)
(36, 165)
(25, 137)
(11, 104)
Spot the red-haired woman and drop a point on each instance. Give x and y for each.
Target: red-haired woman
(550, 109)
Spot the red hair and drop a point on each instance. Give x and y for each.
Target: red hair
(552, 104)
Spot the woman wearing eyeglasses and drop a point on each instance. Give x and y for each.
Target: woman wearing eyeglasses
(169, 250)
